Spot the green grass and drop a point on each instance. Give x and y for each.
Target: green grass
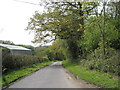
(0, 81)
(103, 80)
(18, 73)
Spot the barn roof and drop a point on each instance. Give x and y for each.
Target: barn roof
(13, 47)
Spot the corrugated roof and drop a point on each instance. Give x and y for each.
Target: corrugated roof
(13, 47)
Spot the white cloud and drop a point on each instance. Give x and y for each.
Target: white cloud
(14, 17)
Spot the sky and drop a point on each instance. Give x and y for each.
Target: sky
(14, 17)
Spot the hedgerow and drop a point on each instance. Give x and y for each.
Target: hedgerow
(10, 61)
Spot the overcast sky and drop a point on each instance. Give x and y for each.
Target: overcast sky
(14, 17)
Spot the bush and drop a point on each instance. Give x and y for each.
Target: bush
(17, 61)
(111, 62)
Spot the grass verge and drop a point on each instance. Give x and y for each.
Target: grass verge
(0, 82)
(18, 73)
(104, 80)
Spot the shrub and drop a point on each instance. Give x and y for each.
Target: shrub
(16, 61)
(111, 62)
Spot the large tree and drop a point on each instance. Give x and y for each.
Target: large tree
(64, 20)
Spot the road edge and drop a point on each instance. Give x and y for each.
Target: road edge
(79, 79)
(20, 78)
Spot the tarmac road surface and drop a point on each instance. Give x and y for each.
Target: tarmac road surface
(53, 76)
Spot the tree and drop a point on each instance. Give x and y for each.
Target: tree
(114, 12)
(58, 49)
(101, 30)
(92, 33)
(63, 20)
(41, 51)
(7, 42)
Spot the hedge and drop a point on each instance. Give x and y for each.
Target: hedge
(10, 61)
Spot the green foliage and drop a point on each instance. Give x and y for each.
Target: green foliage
(104, 80)
(80, 31)
(115, 43)
(110, 64)
(7, 42)
(94, 30)
(18, 61)
(63, 20)
(0, 81)
(73, 50)
(58, 49)
(41, 51)
(64, 49)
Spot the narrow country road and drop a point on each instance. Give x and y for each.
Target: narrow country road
(53, 76)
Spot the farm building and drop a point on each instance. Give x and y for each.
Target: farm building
(12, 49)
